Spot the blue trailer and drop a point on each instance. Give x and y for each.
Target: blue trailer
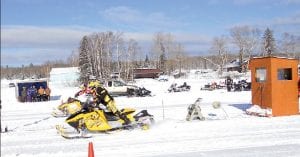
(27, 84)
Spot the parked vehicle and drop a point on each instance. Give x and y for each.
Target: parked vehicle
(119, 87)
(163, 78)
(11, 85)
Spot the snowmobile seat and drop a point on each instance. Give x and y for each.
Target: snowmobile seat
(111, 116)
(143, 113)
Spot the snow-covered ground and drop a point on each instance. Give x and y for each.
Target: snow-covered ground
(228, 131)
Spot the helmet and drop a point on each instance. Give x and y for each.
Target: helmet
(94, 84)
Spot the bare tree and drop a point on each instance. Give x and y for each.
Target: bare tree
(219, 47)
(73, 59)
(131, 58)
(288, 44)
(120, 51)
(179, 56)
(158, 48)
(246, 39)
(168, 53)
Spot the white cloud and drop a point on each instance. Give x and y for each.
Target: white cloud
(140, 37)
(184, 38)
(18, 57)
(35, 44)
(254, 2)
(193, 38)
(293, 20)
(245, 2)
(122, 14)
(133, 18)
(24, 44)
(291, 1)
(194, 44)
(41, 37)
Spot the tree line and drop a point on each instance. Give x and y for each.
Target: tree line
(31, 70)
(247, 42)
(101, 54)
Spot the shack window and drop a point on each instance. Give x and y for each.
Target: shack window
(284, 74)
(261, 74)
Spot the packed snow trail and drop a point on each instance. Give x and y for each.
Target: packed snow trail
(236, 135)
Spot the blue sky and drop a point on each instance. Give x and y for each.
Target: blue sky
(33, 31)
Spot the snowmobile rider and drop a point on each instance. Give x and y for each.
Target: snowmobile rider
(100, 95)
(83, 90)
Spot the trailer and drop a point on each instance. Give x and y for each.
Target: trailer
(26, 84)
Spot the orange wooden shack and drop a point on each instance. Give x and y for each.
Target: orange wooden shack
(275, 84)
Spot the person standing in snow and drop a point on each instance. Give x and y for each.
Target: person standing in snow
(47, 92)
(41, 93)
(228, 83)
(23, 94)
(101, 96)
(31, 94)
(28, 94)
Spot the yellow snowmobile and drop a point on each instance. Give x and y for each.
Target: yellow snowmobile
(68, 108)
(98, 121)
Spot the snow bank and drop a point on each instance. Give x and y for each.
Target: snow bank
(257, 110)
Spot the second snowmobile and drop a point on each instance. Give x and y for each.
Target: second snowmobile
(71, 106)
(65, 109)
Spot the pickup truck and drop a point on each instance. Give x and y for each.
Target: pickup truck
(119, 87)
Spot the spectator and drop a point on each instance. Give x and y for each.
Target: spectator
(229, 83)
(32, 91)
(23, 94)
(41, 94)
(28, 94)
(48, 92)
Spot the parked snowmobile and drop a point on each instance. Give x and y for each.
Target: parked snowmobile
(246, 86)
(181, 88)
(242, 85)
(141, 91)
(84, 123)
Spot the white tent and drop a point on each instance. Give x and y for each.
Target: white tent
(64, 76)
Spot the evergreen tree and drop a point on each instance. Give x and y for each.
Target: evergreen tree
(269, 42)
(147, 62)
(162, 62)
(84, 64)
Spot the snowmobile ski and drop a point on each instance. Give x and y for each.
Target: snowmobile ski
(70, 134)
(58, 115)
(75, 136)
